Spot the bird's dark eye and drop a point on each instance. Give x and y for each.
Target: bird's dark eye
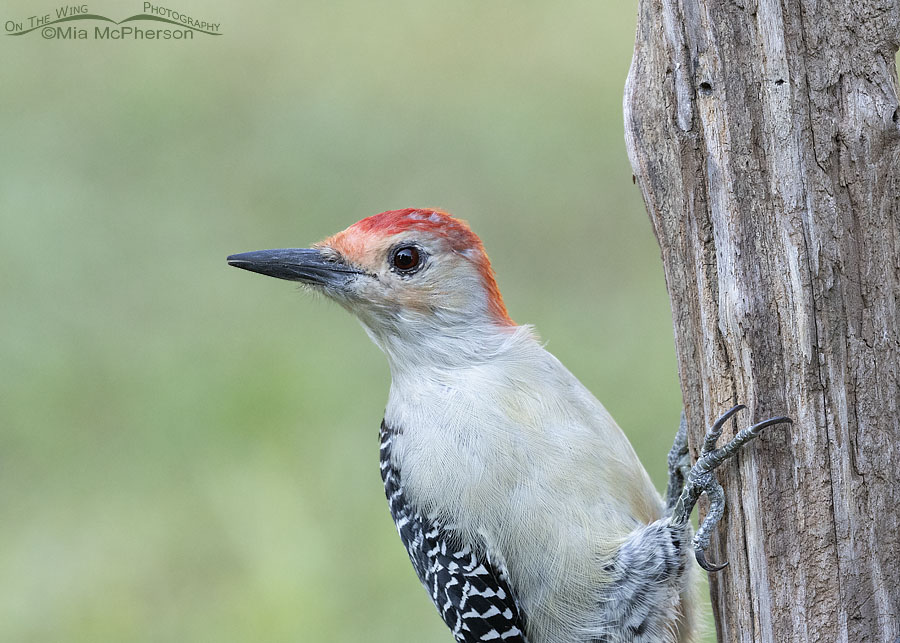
(406, 258)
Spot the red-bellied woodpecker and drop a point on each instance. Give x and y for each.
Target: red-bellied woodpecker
(522, 505)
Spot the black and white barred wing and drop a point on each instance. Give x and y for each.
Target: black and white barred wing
(471, 595)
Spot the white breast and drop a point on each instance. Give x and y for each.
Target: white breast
(518, 455)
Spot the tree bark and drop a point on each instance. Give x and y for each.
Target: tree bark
(765, 138)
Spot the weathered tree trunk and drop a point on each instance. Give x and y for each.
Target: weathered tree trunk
(765, 137)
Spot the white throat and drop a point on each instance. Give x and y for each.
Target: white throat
(413, 350)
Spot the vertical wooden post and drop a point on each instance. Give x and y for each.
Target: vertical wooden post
(765, 138)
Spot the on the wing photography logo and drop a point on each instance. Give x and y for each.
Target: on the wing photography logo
(74, 22)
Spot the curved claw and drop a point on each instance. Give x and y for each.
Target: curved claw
(712, 436)
(756, 428)
(717, 427)
(707, 565)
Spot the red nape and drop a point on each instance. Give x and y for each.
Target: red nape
(457, 233)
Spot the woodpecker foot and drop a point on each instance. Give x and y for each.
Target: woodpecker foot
(700, 479)
(679, 464)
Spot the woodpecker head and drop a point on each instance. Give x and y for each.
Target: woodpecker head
(408, 275)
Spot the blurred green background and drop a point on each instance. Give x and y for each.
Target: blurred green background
(188, 452)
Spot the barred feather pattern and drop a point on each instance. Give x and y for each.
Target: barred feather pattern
(642, 602)
(471, 594)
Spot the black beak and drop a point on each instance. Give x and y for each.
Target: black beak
(297, 264)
